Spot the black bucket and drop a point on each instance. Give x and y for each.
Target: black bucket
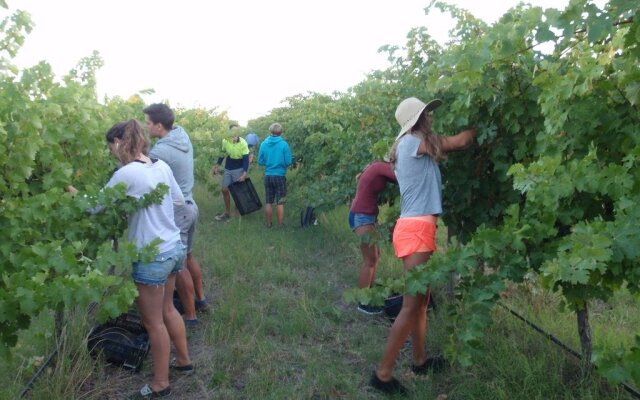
(393, 305)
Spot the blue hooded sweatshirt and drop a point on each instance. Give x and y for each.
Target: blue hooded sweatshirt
(176, 150)
(275, 156)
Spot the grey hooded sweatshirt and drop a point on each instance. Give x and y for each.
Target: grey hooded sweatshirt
(176, 150)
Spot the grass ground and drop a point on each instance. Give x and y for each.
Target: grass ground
(279, 329)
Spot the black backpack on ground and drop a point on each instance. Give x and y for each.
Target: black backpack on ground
(308, 216)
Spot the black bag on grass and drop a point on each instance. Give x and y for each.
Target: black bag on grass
(308, 217)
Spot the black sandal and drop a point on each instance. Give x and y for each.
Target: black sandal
(435, 364)
(147, 393)
(183, 369)
(391, 387)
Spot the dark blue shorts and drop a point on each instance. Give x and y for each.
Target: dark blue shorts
(275, 188)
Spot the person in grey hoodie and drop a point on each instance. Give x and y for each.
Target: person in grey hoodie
(275, 157)
(174, 147)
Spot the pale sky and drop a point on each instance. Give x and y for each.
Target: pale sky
(242, 56)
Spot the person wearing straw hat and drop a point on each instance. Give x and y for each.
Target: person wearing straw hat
(415, 154)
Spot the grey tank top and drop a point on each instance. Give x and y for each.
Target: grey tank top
(419, 179)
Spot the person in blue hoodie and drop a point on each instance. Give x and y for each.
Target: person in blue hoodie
(275, 157)
(174, 147)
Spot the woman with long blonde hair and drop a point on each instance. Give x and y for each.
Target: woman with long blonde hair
(416, 154)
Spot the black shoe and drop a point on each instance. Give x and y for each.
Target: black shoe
(391, 387)
(435, 364)
(191, 323)
(369, 310)
(202, 305)
(147, 393)
(182, 369)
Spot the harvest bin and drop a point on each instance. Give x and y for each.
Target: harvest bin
(130, 321)
(122, 340)
(245, 196)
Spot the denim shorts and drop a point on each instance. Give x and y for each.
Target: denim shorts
(157, 271)
(357, 220)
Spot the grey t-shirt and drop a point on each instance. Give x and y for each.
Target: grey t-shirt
(419, 179)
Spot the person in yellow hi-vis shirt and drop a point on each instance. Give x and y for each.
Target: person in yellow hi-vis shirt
(236, 151)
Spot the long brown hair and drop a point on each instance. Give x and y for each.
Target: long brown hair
(423, 128)
(133, 141)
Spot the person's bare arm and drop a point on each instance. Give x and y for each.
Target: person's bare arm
(460, 141)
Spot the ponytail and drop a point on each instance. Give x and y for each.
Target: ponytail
(132, 140)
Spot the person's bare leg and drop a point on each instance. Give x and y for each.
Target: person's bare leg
(184, 285)
(370, 256)
(400, 330)
(419, 332)
(175, 325)
(405, 322)
(196, 275)
(150, 304)
(226, 196)
(268, 214)
(280, 211)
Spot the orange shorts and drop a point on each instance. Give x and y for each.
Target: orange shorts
(414, 235)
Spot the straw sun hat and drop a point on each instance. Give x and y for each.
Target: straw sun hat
(409, 111)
